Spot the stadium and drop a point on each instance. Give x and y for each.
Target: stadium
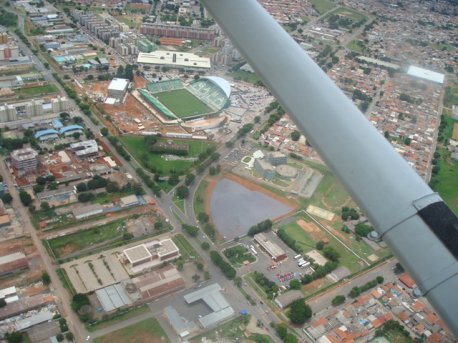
(176, 101)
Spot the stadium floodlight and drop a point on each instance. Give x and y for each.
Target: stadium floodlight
(411, 218)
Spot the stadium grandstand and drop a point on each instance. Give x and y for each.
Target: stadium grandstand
(175, 100)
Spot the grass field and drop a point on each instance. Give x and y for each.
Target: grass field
(137, 147)
(356, 45)
(118, 318)
(322, 6)
(148, 330)
(447, 177)
(39, 90)
(182, 103)
(300, 236)
(179, 202)
(349, 13)
(65, 245)
(186, 249)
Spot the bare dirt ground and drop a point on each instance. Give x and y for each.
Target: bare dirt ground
(314, 231)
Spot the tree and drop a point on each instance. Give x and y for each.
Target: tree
(282, 330)
(338, 300)
(203, 217)
(331, 253)
(7, 198)
(104, 131)
(2, 302)
(44, 206)
(14, 337)
(191, 230)
(81, 187)
(363, 230)
(38, 188)
(59, 337)
(299, 312)
(295, 284)
(319, 245)
(205, 246)
(182, 192)
(379, 279)
(189, 179)
(295, 135)
(25, 197)
(69, 336)
(173, 180)
(290, 338)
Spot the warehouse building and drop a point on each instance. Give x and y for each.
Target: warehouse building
(181, 326)
(84, 212)
(212, 297)
(24, 160)
(271, 248)
(13, 263)
(113, 297)
(118, 88)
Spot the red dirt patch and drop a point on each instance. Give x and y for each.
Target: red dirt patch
(311, 229)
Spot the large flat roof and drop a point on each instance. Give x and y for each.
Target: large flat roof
(273, 249)
(113, 297)
(212, 296)
(137, 253)
(426, 74)
(118, 84)
(174, 58)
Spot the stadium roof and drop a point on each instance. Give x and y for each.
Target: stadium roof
(47, 132)
(118, 84)
(426, 74)
(221, 83)
(70, 128)
(171, 58)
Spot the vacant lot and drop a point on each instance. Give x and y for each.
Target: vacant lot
(148, 330)
(182, 103)
(138, 148)
(39, 90)
(69, 244)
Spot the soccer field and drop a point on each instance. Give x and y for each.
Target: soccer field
(182, 103)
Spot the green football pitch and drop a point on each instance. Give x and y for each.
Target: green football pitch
(182, 103)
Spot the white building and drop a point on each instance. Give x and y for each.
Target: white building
(118, 88)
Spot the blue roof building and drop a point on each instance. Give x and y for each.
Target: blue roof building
(71, 129)
(48, 134)
(57, 124)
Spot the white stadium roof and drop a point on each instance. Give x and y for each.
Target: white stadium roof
(221, 83)
(426, 74)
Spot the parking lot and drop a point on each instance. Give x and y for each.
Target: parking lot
(282, 272)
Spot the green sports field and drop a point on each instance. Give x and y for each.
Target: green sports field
(182, 103)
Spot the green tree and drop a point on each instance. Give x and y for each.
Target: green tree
(173, 180)
(45, 278)
(7, 198)
(330, 253)
(44, 206)
(205, 246)
(25, 197)
(2, 302)
(191, 230)
(299, 312)
(295, 135)
(182, 192)
(14, 337)
(319, 245)
(59, 337)
(104, 131)
(295, 284)
(338, 300)
(379, 279)
(189, 179)
(69, 336)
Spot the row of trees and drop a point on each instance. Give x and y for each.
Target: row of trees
(269, 287)
(225, 267)
(265, 225)
(149, 182)
(119, 147)
(356, 291)
(193, 231)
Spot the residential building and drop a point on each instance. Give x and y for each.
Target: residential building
(24, 160)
